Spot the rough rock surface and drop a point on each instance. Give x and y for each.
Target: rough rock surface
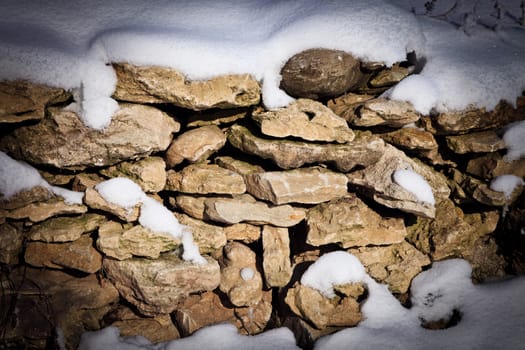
(414, 141)
(64, 228)
(493, 164)
(242, 232)
(41, 211)
(65, 142)
(476, 142)
(276, 256)
(26, 197)
(346, 105)
(149, 173)
(381, 111)
(11, 240)
(151, 84)
(209, 238)
(95, 201)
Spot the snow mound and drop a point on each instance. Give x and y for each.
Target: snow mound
(415, 184)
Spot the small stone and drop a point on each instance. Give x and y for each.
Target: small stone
(95, 201)
(345, 105)
(11, 240)
(21, 199)
(381, 111)
(41, 211)
(477, 142)
(65, 229)
(149, 173)
(193, 206)
(492, 165)
(242, 232)
(209, 238)
(390, 76)
(238, 166)
(276, 256)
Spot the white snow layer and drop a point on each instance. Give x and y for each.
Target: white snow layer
(514, 139)
(69, 43)
(506, 184)
(415, 184)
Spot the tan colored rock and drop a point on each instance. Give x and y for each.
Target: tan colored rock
(240, 280)
(64, 228)
(95, 201)
(242, 232)
(345, 105)
(11, 240)
(238, 166)
(317, 73)
(395, 265)
(493, 164)
(485, 195)
(305, 185)
(381, 111)
(476, 142)
(411, 139)
(22, 100)
(236, 210)
(377, 181)
(149, 173)
(366, 149)
(216, 117)
(321, 311)
(205, 179)
(77, 255)
(350, 223)
(65, 142)
(195, 145)
(21, 199)
(306, 119)
(209, 238)
(390, 76)
(276, 256)
(156, 286)
(193, 206)
(41, 211)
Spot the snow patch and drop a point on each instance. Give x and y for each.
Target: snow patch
(506, 184)
(514, 138)
(415, 184)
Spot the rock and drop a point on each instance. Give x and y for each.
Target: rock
(95, 201)
(193, 206)
(345, 105)
(41, 211)
(376, 181)
(11, 240)
(306, 119)
(318, 73)
(304, 332)
(122, 243)
(195, 145)
(238, 166)
(395, 265)
(276, 256)
(366, 149)
(236, 210)
(321, 311)
(240, 280)
(305, 185)
(205, 179)
(152, 84)
(216, 117)
(78, 255)
(390, 76)
(476, 142)
(209, 238)
(350, 223)
(22, 100)
(21, 199)
(411, 139)
(485, 195)
(65, 228)
(242, 232)
(65, 142)
(156, 286)
(149, 173)
(491, 165)
(381, 111)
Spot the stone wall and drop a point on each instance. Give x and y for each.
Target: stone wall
(265, 193)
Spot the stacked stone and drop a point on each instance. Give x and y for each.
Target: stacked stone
(265, 193)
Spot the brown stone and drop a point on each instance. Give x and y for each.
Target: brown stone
(476, 142)
(149, 173)
(209, 238)
(238, 166)
(95, 201)
(11, 240)
(41, 211)
(242, 232)
(381, 111)
(390, 76)
(23, 198)
(65, 229)
(216, 117)
(193, 206)
(345, 105)
(276, 256)
(493, 164)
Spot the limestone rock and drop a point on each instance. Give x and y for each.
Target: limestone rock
(366, 149)
(242, 232)
(317, 73)
(390, 76)
(276, 256)
(238, 166)
(121, 243)
(195, 145)
(381, 111)
(305, 185)
(41, 211)
(411, 139)
(21, 199)
(95, 201)
(193, 206)
(149, 173)
(11, 240)
(22, 100)
(209, 238)
(153, 84)
(476, 142)
(395, 265)
(377, 181)
(240, 280)
(64, 228)
(305, 119)
(78, 255)
(216, 117)
(156, 286)
(205, 179)
(236, 210)
(65, 142)
(321, 311)
(349, 222)
(485, 195)
(345, 105)
(493, 164)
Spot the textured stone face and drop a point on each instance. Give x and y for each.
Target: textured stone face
(276, 256)
(320, 73)
(381, 111)
(41, 211)
(209, 238)
(477, 142)
(149, 173)
(11, 240)
(95, 201)
(65, 229)
(150, 84)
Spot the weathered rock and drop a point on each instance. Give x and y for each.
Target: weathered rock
(493, 164)
(411, 139)
(216, 117)
(366, 149)
(209, 238)
(242, 232)
(276, 256)
(376, 181)
(240, 280)
(121, 243)
(195, 145)
(64, 228)
(345, 105)
(149, 173)
(41, 211)
(22, 100)
(395, 265)
(304, 332)
(78, 255)
(236, 210)
(11, 240)
(350, 223)
(390, 76)
(193, 206)
(238, 166)
(205, 179)
(95, 201)
(319, 73)
(321, 311)
(485, 195)
(476, 142)
(381, 111)
(305, 185)
(153, 84)
(305, 119)
(21, 199)
(65, 142)
(156, 286)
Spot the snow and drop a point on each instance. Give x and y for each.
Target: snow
(247, 273)
(514, 139)
(415, 184)
(506, 184)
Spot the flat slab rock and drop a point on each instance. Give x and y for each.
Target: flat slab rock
(476, 142)
(276, 256)
(149, 173)
(381, 111)
(40, 211)
(65, 228)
